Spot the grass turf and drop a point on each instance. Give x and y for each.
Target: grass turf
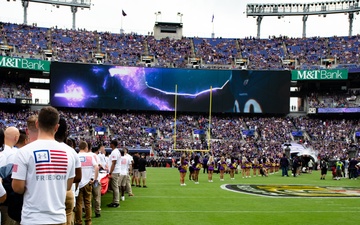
(166, 202)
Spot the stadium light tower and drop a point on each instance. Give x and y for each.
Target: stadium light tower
(74, 4)
(180, 15)
(259, 11)
(156, 15)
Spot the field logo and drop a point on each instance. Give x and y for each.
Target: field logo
(294, 190)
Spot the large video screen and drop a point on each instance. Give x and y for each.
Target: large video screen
(168, 89)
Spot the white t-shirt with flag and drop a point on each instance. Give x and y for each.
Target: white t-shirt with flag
(87, 167)
(125, 163)
(115, 155)
(45, 166)
(74, 154)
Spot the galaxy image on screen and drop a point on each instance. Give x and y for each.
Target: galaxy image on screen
(143, 88)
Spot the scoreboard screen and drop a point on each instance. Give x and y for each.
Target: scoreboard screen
(168, 89)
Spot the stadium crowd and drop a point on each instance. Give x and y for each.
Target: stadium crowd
(237, 142)
(229, 135)
(127, 49)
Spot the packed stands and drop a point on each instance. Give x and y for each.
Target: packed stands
(230, 135)
(128, 49)
(328, 138)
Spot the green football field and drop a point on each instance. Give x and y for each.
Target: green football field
(166, 202)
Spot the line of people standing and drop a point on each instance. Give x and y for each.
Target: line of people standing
(223, 165)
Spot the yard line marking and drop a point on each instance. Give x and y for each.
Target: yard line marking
(219, 211)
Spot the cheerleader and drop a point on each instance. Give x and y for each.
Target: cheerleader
(211, 167)
(273, 166)
(197, 166)
(222, 167)
(228, 163)
(256, 167)
(232, 167)
(248, 166)
(243, 166)
(183, 169)
(268, 165)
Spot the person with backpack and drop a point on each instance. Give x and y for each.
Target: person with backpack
(324, 168)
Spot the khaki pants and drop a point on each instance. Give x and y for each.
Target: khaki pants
(69, 207)
(115, 187)
(96, 192)
(83, 197)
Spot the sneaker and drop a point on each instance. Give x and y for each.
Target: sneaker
(130, 195)
(122, 198)
(113, 205)
(138, 185)
(144, 186)
(97, 215)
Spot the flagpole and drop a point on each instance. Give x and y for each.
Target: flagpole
(213, 32)
(121, 30)
(122, 16)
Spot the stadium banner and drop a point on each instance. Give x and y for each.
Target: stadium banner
(27, 64)
(8, 100)
(340, 74)
(338, 110)
(76, 85)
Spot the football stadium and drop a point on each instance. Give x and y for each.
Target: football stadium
(161, 128)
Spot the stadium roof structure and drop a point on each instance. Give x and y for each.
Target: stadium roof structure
(74, 4)
(303, 9)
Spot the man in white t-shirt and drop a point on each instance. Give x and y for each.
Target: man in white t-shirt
(43, 171)
(114, 173)
(102, 158)
(12, 135)
(61, 136)
(89, 173)
(128, 179)
(125, 167)
(96, 189)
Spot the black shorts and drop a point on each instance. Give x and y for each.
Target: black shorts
(323, 171)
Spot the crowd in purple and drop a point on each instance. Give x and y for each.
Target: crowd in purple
(127, 49)
(329, 138)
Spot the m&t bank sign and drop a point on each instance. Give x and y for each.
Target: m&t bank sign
(319, 74)
(27, 64)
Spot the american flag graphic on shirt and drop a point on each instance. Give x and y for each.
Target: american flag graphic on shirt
(51, 161)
